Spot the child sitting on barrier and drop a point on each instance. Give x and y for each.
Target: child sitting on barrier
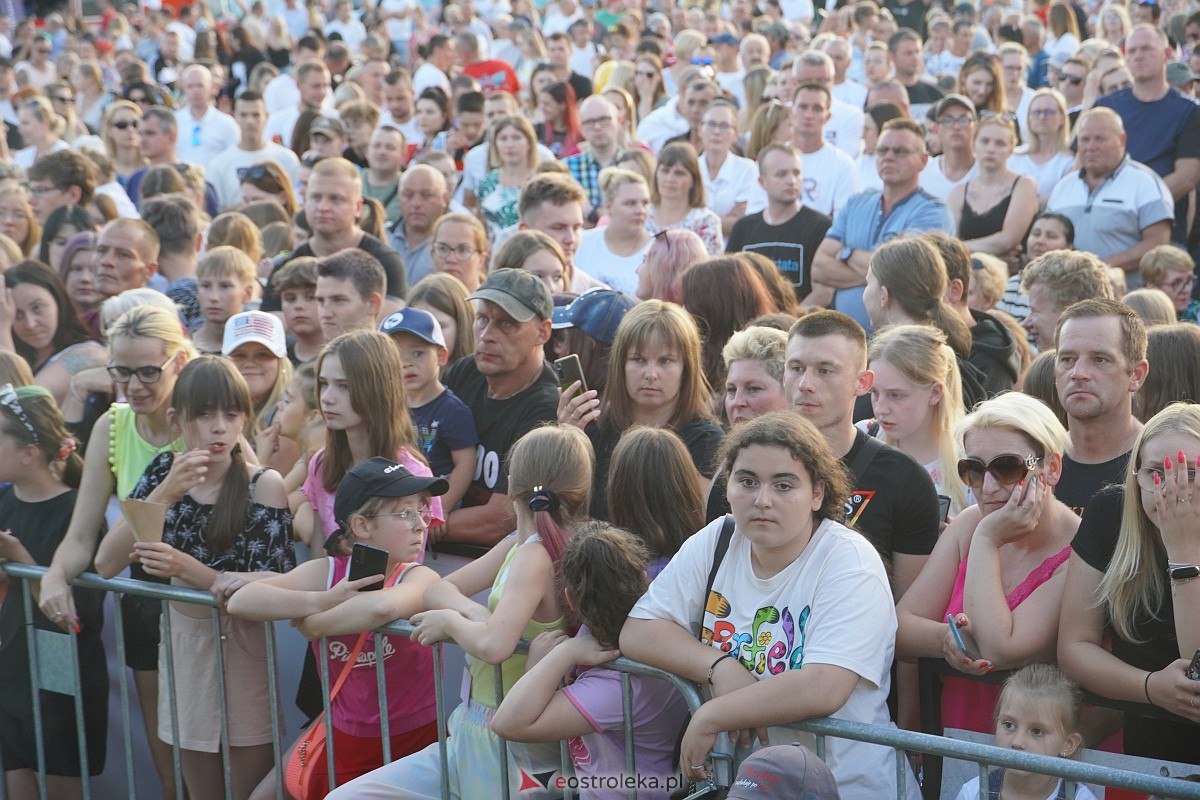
(226, 524)
(550, 477)
(35, 509)
(1038, 712)
(382, 504)
(604, 574)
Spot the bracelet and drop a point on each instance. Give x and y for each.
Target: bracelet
(714, 666)
(1146, 688)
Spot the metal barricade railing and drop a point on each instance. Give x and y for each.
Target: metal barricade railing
(900, 741)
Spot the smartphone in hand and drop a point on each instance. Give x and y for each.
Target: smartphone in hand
(569, 370)
(1193, 669)
(964, 640)
(365, 561)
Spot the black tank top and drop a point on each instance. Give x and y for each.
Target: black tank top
(975, 225)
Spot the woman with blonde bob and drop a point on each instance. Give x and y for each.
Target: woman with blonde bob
(535, 252)
(1047, 155)
(17, 220)
(917, 401)
(513, 157)
(655, 378)
(1130, 583)
(41, 129)
(1000, 566)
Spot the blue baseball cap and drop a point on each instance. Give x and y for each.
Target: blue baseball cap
(598, 313)
(418, 322)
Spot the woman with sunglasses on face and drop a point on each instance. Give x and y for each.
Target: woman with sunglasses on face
(647, 86)
(999, 569)
(147, 351)
(121, 129)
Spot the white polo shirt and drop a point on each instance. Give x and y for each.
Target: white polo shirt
(735, 182)
(202, 140)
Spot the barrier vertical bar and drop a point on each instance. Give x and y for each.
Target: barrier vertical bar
(273, 688)
(564, 760)
(627, 722)
(80, 733)
(499, 673)
(172, 700)
(222, 707)
(821, 746)
(1069, 789)
(439, 699)
(31, 639)
(122, 678)
(323, 669)
(983, 780)
(901, 773)
(385, 727)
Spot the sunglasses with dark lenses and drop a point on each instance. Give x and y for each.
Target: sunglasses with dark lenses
(254, 173)
(1007, 469)
(126, 124)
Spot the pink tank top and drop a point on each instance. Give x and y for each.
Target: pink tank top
(408, 676)
(968, 704)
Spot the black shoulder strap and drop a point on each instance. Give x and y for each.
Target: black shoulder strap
(870, 449)
(254, 480)
(718, 555)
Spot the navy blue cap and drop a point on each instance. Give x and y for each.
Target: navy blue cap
(598, 313)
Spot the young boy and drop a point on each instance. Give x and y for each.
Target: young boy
(445, 425)
(225, 282)
(296, 285)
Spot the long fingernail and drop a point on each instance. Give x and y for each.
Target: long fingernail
(1157, 480)
(1167, 462)
(1181, 458)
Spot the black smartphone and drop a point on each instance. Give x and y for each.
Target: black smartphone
(365, 561)
(569, 371)
(1193, 669)
(943, 507)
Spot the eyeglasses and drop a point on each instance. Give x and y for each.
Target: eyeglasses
(415, 520)
(1179, 284)
(595, 122)
(145, 375)
(1007, 469)
(722, 127)
(898, 152)
(126, 124)
(61, 99)
(645, 73)
(8, 396)
(462, 252)
(42, 189)
(1074, 80)
(1146, 476)
(955, 122)
(1043, 112)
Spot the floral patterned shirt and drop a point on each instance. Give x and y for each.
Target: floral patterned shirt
(703, 222)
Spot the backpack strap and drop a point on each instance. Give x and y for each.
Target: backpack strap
(719, 552)
(871, 448)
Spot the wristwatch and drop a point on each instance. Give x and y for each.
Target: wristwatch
(845, 253)
(1184, 572)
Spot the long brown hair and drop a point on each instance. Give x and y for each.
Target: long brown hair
(371, 363)
(655, 490)
(914, 274)
(723, 294)
(49, 434)
(604, 571)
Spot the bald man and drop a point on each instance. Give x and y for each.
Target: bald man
(204, 132)
(423, 198)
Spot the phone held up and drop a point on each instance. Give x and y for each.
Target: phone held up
(365, 561)
(569, 370)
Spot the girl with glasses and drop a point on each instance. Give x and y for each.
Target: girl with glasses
(121, 129)
(460, 248)
(998, 571)
(1046, 155)
(227, 524)
(147, 351)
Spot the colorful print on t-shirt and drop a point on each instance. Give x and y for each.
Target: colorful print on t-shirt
(772, 645)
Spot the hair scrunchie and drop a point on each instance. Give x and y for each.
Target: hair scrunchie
(542, 499)
(65, 448)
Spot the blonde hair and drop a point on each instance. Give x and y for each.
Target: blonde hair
(225, 261)
(1020, 413)
(236, 230)
(688, 41)
(522, 126)
(41, 108)
(991, 276)
(1158, 261)
(1152, 305)
(150, 322)
(922, 356)
(756, 343)
(519, 247)
(613, 178)
(1051, 686)
(107, 120)
(1133, 587)
(1062, 139)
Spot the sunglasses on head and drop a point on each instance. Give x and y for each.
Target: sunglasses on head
(254, 173)
(1007, 469)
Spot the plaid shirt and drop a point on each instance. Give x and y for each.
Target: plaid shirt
(586, 170)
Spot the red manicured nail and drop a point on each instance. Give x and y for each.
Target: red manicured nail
(1181, 459)
(1157, 480)
(1167, 462)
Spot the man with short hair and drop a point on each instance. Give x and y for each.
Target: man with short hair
(848, 91)
(893, 502)
(730, 73)
(159, 132)
(492, 74)
(281, 92)
(891, 91)
(875, 216)
(207, 132)
(59, 179)
(695, 101)
(349, 292)
(558, 53)
(1163, 124)
(333, 205)
(126, 256)
(176, 221)
(398, 104)
(250, 115)
(1055, 281)
(667, 121)
(904, 51)
(955, 115)
(1120, 208)
(509, 388)
(1072, 76)
(786, 231)
(1099, 364)
(845, 126)
(381, 177)
(830, 176)
(601, 127)
(314, 84)
(424, 197)
(553, 204)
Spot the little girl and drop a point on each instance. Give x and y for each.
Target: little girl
(227, 524)
(1038, 712)
(35, 509)
(298, 419)
(604, 574)
(379, 503)
(550, 474)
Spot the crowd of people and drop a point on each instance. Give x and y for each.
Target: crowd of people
(806, 340)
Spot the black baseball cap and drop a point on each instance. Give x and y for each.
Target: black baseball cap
(379, 477)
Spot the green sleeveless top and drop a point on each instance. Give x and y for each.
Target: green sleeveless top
(128, 453)
(483, 675)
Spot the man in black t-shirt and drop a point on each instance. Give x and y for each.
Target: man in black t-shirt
(785, 231)
(509, 388)
(893, 501)
(1099, 364)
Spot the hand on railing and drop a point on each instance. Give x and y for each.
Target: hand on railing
(434, 626)
(56, 601)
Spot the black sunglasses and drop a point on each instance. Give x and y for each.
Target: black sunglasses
(125, 124)
(1007, 469)
(254, 173)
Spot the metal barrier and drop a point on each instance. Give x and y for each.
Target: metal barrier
(47, 656)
